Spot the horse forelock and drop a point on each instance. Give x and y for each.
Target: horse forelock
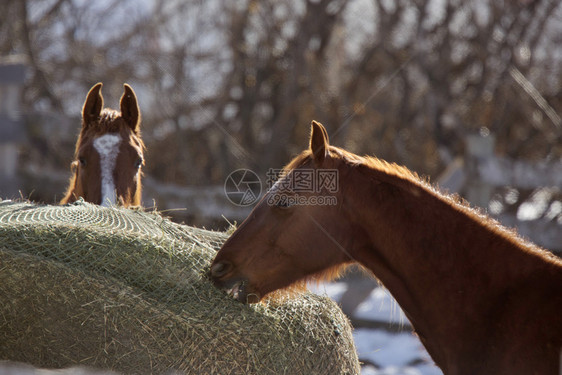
(109, 121)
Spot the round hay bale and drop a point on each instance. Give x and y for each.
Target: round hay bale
(127, 291)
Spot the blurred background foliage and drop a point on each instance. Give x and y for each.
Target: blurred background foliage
(224, 85)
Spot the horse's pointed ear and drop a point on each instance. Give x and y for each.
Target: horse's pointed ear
(93, 105)
(319, 142)
(130, 111)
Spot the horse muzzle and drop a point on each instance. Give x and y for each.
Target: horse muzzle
(235, 286)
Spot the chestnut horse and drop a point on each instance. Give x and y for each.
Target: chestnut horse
(109, 152)
(481, 299)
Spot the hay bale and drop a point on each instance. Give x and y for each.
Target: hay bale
(127, 291)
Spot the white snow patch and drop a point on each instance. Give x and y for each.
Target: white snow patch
(381, 306)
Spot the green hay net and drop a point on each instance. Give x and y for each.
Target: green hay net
(126, 290)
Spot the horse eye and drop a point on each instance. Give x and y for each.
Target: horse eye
(82, 161)
(138, 163)
(283, 202)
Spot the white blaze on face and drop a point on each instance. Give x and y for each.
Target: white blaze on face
(108, 147)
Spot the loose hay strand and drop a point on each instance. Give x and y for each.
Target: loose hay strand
(127, 291)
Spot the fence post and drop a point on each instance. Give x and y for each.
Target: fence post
(479, 148)
(12, 134)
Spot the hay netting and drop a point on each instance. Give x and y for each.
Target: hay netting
(127, 291)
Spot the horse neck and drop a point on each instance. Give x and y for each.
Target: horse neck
(440, 260)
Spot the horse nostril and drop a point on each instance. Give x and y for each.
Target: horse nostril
(220, 269)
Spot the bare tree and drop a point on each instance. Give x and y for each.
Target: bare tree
(225, 85)
(450, 69)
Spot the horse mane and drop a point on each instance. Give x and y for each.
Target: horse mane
(410, 182)
(383, 166)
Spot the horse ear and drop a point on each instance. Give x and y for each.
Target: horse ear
(93, 105)
(319, 142)
(130, 111)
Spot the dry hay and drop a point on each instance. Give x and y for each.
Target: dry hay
(127, 291)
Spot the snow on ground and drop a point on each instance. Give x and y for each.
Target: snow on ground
(381, 306)
(383, 352)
